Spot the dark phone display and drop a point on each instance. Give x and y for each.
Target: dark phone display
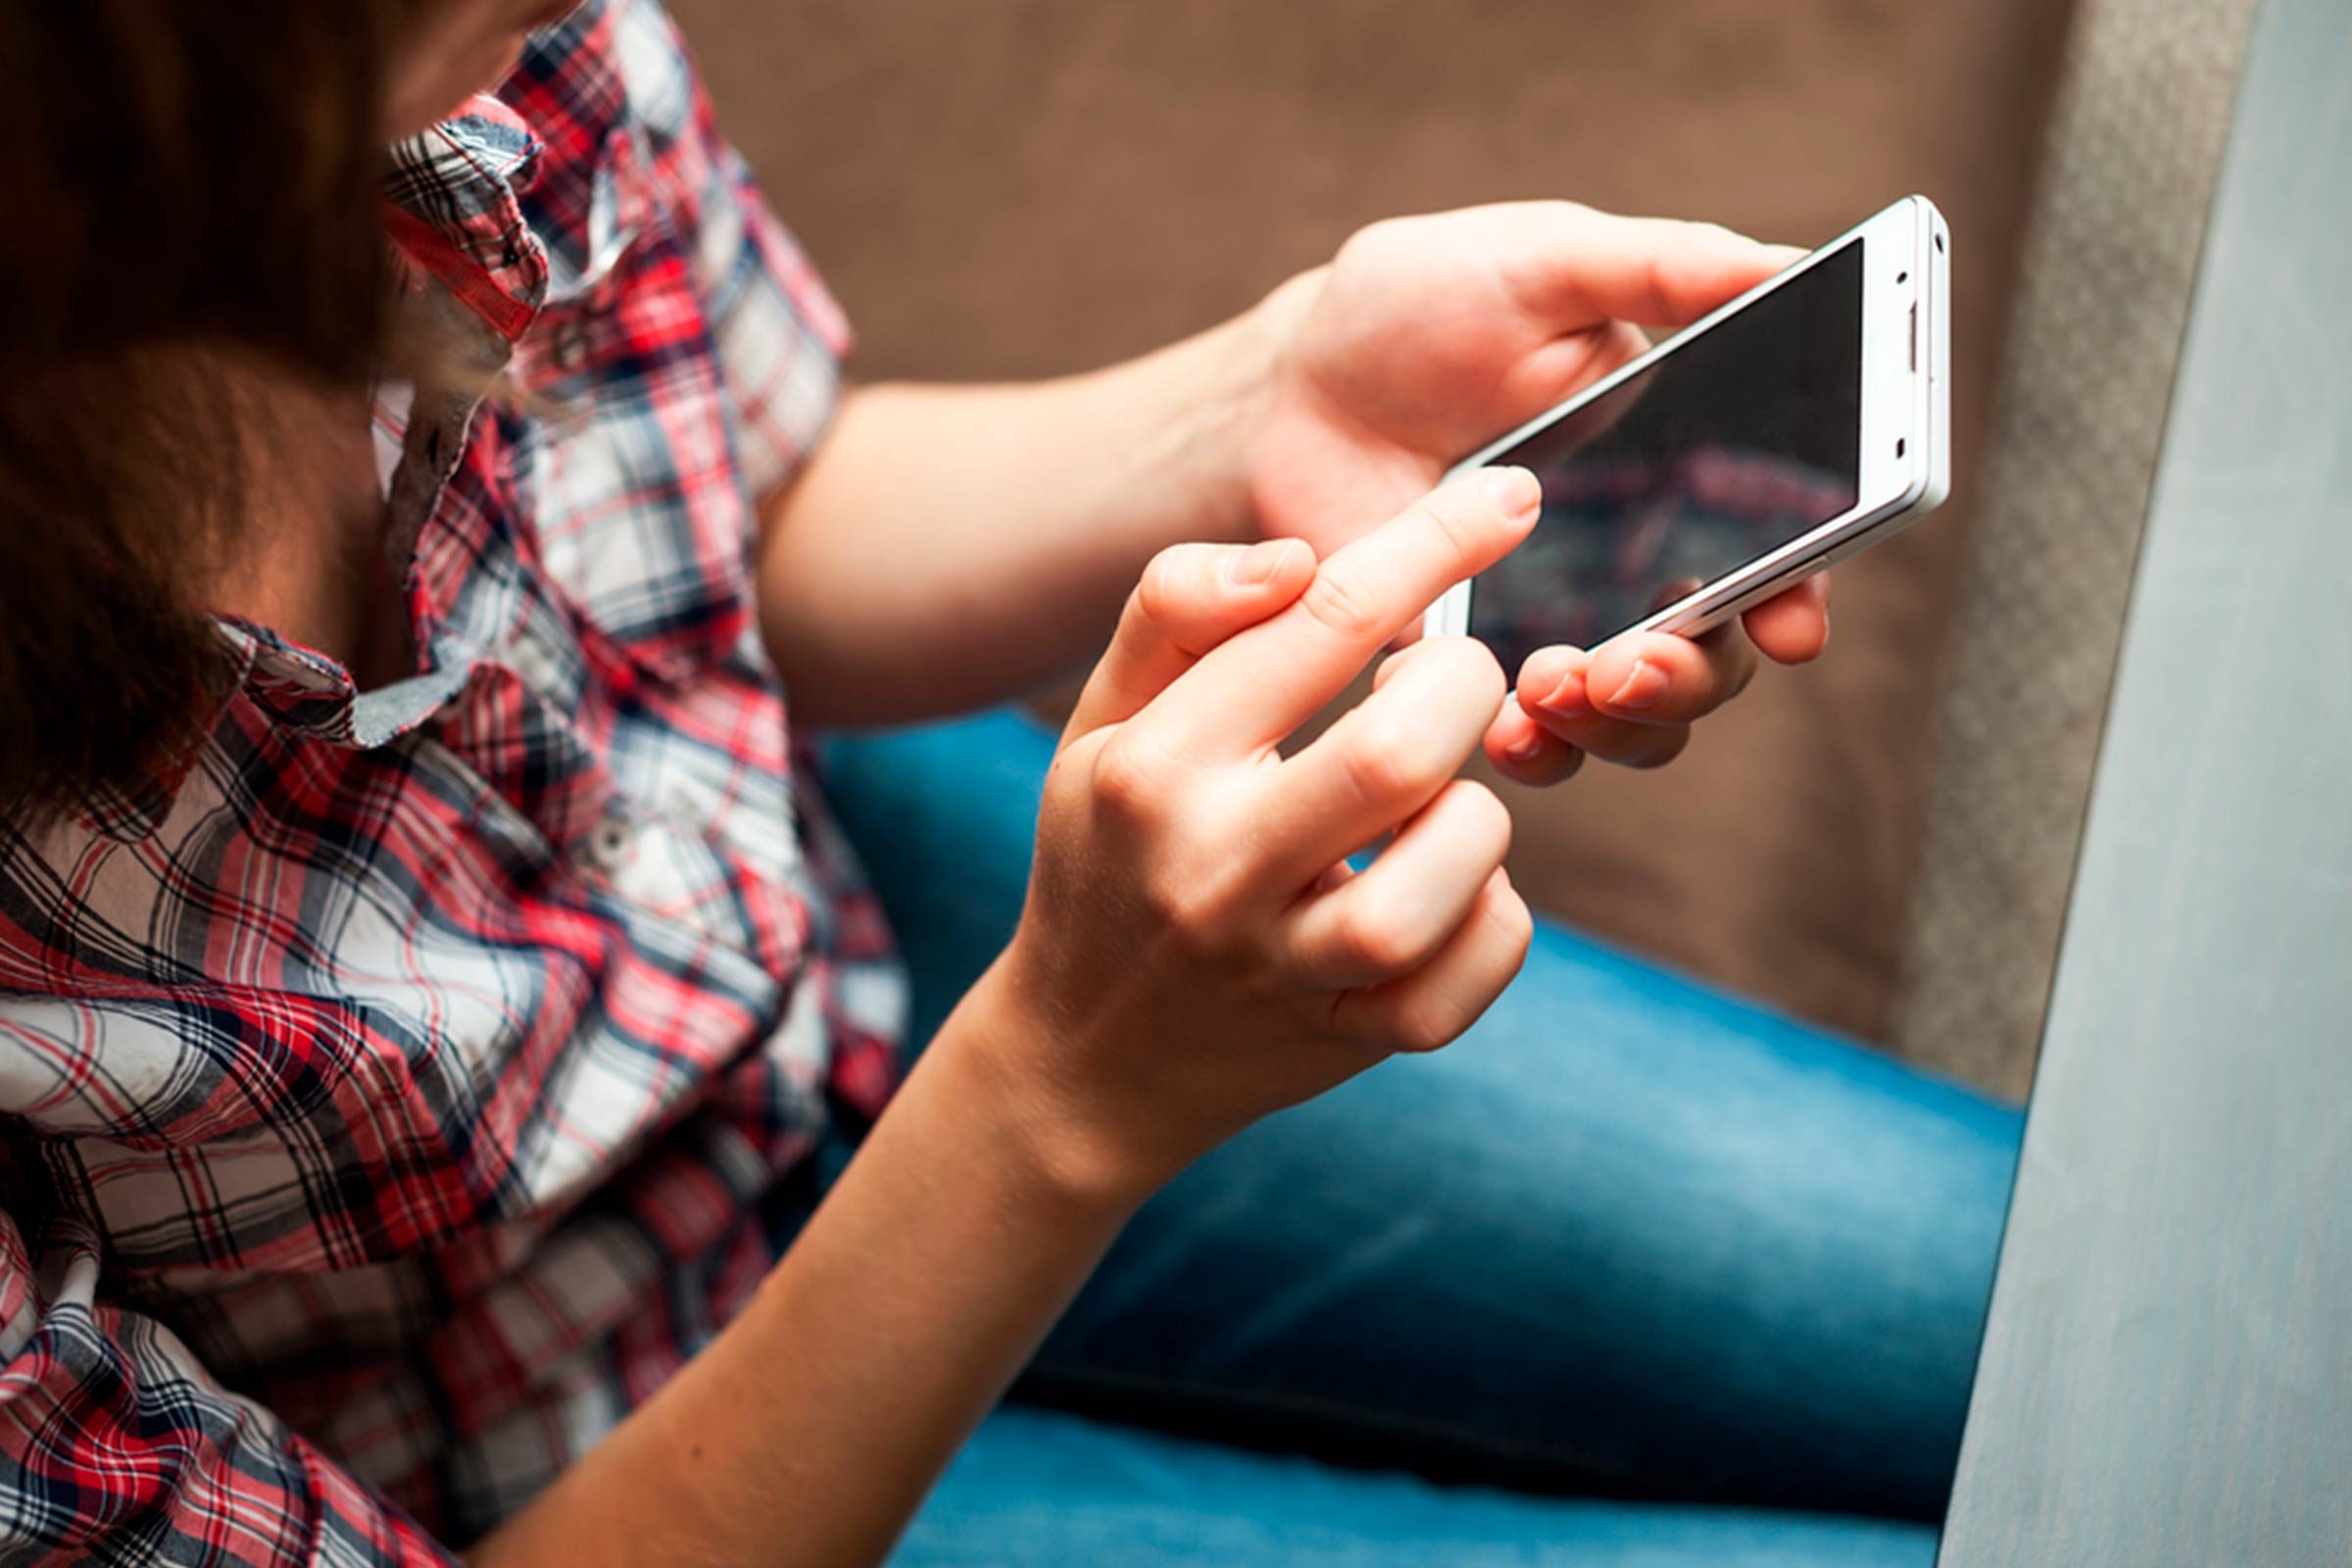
(1738, 440)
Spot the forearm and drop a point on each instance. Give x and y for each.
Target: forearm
(811, 1427)
(952, 546)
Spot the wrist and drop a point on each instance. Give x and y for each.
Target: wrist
(997, 1055)
(1257, 346)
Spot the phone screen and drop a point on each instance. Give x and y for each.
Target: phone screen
(1737, 440)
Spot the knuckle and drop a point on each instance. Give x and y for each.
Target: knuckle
(1376, 239)
(1385, 764)
(1161, 596)
(1660, 288)
(1147, 605)
(1173, 899)
(1343, 603)
(1513, 920)
(1381, 939)
(1131, 779)
(1573, 225)
(1195, 901)
(1490, 818)
(1423, 1022)
(1471, 667)
(1453, 516)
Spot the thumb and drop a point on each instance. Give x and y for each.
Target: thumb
(1189, 599)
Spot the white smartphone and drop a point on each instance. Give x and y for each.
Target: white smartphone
(1802, 421)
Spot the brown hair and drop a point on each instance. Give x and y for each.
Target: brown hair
(181, 183)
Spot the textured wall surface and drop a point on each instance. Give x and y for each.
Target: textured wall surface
(2135, 142)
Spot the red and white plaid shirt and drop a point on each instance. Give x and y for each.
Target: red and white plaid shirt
(387, 1105)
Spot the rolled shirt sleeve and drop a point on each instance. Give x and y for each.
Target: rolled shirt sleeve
(780, 334)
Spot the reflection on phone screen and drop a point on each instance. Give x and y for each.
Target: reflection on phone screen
(1737, 441)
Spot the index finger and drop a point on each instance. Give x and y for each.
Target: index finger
(1249, 691)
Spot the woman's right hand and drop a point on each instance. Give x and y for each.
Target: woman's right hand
(1194, 955)
(1194, 952)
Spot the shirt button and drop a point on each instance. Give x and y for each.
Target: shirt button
(609, 843)
(572, 344)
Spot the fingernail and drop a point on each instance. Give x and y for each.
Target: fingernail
(1644, 685)
(1514, 492)
(1526, 750)
(1568, 699)
(1256, 565)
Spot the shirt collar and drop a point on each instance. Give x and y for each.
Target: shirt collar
(450, 203)
(450, 198)
(292, 684)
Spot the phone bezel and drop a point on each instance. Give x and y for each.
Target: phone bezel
(1905, 330)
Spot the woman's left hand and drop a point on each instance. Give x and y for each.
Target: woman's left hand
(1427, 337)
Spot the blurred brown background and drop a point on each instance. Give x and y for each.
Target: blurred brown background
(1019, 187)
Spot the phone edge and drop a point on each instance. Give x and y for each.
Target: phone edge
(1832, 541)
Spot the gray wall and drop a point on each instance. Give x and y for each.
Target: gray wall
(2167, 1375)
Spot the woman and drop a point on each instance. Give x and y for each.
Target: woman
(434, 997)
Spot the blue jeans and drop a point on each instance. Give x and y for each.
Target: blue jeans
(1694, 1282)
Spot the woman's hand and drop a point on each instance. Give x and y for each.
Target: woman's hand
(1427, 337)
(1194, 952)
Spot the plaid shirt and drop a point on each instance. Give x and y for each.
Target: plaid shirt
(389, 1100)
